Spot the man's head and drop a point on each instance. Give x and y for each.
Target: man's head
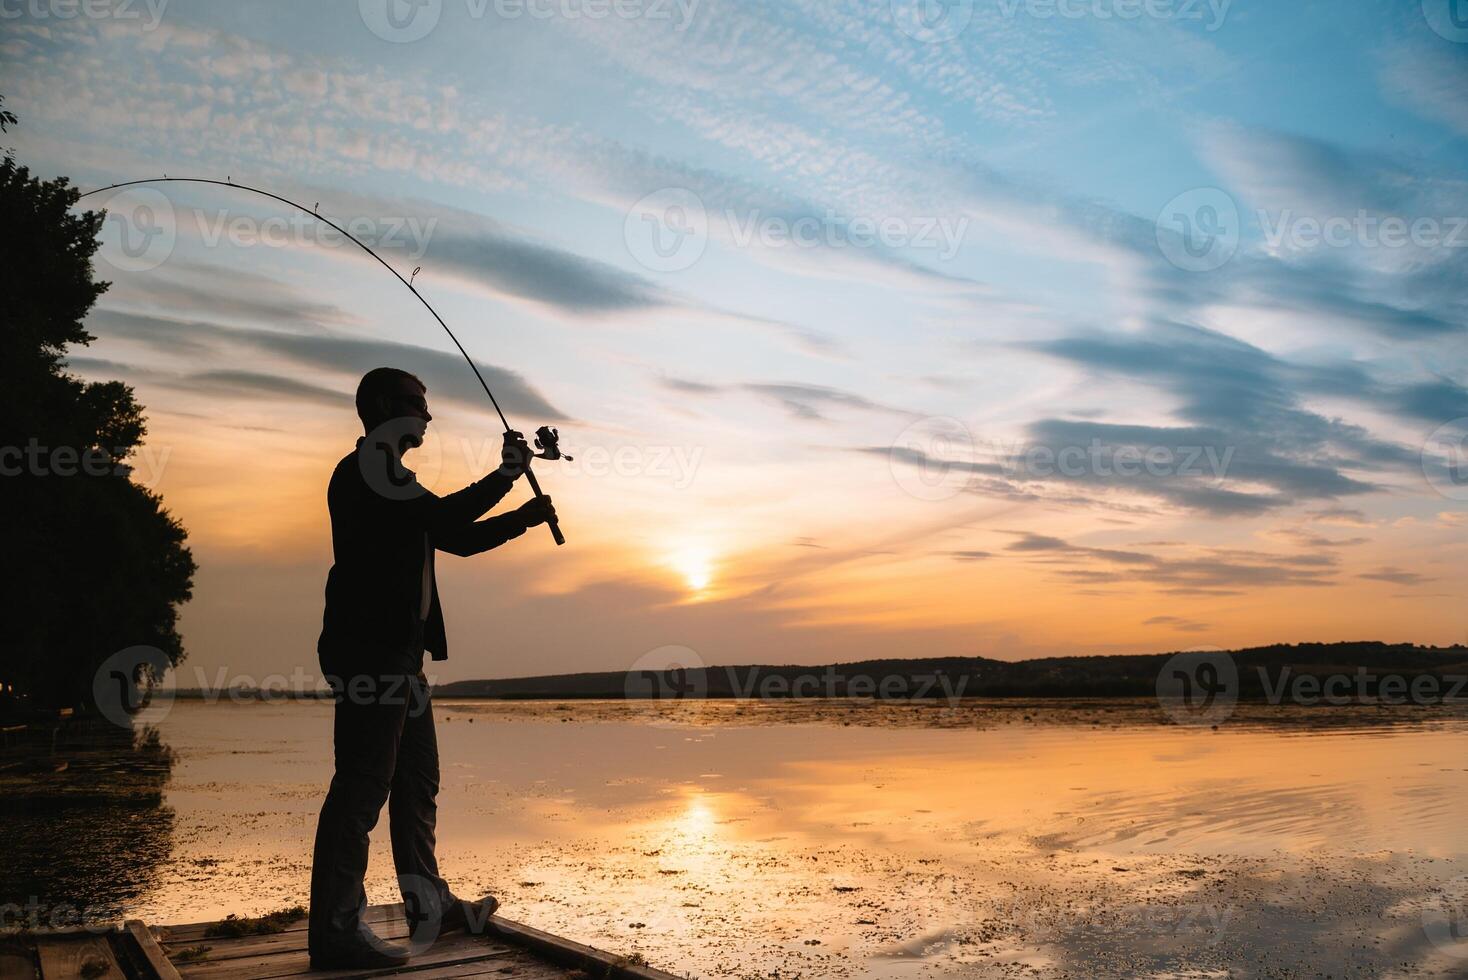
(385, 394)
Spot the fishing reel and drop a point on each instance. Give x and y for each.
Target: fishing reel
(547, 440)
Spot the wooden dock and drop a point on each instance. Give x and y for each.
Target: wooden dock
(137, 951)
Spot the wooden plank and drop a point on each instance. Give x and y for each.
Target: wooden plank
(231, 959)
(252, 946)
(17, 966)
(534, 970)
(60, 932)
(567, 953)
(192, 933)
(64, 959)
(451, 950)
(396, 928)
(147, 946)
(512, 965)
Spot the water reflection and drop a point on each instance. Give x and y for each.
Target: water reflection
(86, 826)
(721, 844)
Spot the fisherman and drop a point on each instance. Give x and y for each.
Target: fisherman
(382, 613)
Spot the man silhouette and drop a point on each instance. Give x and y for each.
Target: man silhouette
(382, 613)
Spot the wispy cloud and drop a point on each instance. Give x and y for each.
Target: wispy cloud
(343, 357)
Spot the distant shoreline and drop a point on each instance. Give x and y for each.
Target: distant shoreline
(1348, 672)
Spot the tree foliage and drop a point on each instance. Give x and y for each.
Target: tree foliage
(97, 564)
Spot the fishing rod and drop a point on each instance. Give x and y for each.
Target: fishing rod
(546, 438)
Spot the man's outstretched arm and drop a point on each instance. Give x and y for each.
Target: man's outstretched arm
(442, 515)
(479, 536)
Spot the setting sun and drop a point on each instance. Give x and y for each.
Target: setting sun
(695, 566)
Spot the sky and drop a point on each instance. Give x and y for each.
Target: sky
(876, 328)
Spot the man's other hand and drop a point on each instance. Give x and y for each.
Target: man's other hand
(515, 456)
(536, 510)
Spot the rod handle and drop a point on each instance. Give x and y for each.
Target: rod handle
(555, 527)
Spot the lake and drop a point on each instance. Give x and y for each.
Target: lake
(837, 839)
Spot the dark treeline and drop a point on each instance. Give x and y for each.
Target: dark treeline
(96, 565)
(1260, 671)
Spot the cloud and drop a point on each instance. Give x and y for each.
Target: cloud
(802, 401)
(1178, 623)
(218, 385)
(511, 265)
(1396, 576)
(1248, 429)
(1428, 79)
(252, 384)
(1351, 270)
(1437, 401)
(1306, 539)
(334, 354)
(1346, 516)
(1210, 572)
(179, 287)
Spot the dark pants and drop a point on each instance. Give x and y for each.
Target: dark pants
(386, 752)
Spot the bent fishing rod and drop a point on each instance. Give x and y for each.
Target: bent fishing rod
(545, 437)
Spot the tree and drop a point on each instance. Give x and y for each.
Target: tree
(97, 564)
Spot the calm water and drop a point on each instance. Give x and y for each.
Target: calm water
(760, 841)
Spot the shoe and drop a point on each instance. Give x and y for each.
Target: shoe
(361, 950)
(472, 917)
(459, 916)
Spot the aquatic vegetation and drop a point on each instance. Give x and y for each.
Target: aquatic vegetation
(190, 954)
(232, 926)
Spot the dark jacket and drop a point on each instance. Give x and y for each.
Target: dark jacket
(385, 526)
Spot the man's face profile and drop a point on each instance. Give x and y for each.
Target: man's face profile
(406, 400)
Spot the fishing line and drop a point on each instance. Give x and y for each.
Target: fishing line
(542, 439)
